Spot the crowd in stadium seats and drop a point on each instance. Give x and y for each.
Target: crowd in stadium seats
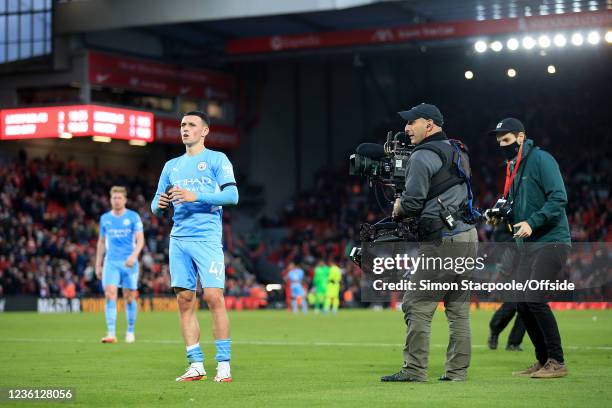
(49, 210)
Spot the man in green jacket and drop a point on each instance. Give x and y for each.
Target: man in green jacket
(534, 187)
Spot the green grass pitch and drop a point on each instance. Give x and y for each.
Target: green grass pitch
(284, 360)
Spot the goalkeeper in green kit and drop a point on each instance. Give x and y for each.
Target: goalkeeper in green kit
(319, 282)
(332, 293)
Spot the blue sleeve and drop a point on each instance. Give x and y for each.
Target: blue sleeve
(102, 228)
(224, 171)
(164, 182)
(228, 196)
(137, 222)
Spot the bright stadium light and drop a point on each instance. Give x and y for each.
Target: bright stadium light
(528, 43)
(496, 46)
(551, 69)
(512, 44)
(480, 46)
(560, 40)
(511, 72)
(608, 37)
(577, 39)
(544, 41)
(469, 75)
(594, 37)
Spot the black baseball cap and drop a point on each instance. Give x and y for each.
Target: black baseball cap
(508, 125)
(425, 111)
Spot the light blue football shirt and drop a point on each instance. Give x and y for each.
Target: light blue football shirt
(206, 172)
(119, 233)
(296, 275)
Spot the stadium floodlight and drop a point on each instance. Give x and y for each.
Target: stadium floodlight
(469, 75)
(544, 41)
(496, 46)
(593, 37)
(560, 40)
(528, 43)
(511, 72)
(480, 46)
(551, 69)
(577, 39)
(608, 37)
(512, 44)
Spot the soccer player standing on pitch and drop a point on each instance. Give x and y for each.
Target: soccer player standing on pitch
(197, 184)
(121, 240)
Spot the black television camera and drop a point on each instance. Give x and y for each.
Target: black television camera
(384, 166)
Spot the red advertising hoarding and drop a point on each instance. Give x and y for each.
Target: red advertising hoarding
(76, 120)
(153, 77)
(421, 32)
(167, 130)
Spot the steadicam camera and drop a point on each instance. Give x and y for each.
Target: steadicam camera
(384, 166)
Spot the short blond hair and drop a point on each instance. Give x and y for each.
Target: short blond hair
(118, 189)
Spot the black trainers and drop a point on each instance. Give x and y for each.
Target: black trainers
(400, 376)
(514, 347)
(492, 342)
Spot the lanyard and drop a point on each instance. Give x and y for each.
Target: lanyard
(510, 177)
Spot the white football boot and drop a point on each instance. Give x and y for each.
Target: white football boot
(223, 372)
(195, 372)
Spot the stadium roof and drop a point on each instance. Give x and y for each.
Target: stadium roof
(375, 15)
(211, 28)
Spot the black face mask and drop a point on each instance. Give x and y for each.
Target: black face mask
(510, 151)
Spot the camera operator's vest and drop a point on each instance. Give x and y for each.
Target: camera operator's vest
(455, 166)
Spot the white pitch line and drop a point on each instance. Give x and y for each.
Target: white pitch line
(265, 343)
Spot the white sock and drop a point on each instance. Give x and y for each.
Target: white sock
(198, 366)
(223, 365)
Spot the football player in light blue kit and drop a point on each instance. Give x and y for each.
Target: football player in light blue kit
(120, 242)
(296, 276)
(197, 184)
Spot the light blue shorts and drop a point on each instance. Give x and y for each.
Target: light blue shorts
(190, 259)
(117, 274)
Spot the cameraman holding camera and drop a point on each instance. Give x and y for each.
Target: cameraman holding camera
(535, 196)
(437, 193)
